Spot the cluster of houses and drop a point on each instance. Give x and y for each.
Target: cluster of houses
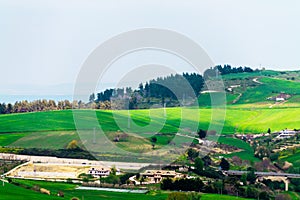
(280, 135)
(250, 137)
(156, 176)
(285, 134)
(151, 176)
(280, 97)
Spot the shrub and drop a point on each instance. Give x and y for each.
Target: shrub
(283, 197)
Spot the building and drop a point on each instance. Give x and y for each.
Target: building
(156, 176)
(99, 172)
(280, 97)
(286, 134)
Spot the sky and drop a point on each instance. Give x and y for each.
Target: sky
(43, 44)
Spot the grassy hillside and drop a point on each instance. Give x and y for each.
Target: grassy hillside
(244, 120)
(270, 87)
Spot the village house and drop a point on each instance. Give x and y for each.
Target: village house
(99, 172)
(285, 134)
(156, 176)
(280, 97)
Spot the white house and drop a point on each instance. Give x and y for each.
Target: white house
(156, 176)
(286, 134)
(99, 172)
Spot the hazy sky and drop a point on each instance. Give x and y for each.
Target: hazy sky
(44, 43)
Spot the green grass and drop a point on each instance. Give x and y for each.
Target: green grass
(37, 121)
(245, 120)
(292, 158)
(234, 142)
(270, 87)
(204, 100)
(250, 75)
(293, 195)
(9, 138)
(12, 192)
(219, 197)
(48, 139)
(246, 154)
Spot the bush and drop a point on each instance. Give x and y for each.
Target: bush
(182, 184)
(264, 195)
(252, 192)
(177, 196)
(124, 178)
(274, 156)
(283, 197)
(184, 196)
(60, 194)
(36, 188)
(69, 180)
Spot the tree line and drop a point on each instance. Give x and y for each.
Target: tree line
(171, 91)
(39, 105)
(173, 86)
(227, 69)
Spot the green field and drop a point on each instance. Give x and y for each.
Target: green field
(270, 87)
(12, 192)
(293, 158)
(244, 120)
(55, 129)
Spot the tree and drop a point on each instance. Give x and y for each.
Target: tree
(2, 108)
(113, 170)
(251, 177)
(264, 195)
(112, 179)
(9, 108)
(207, 161)
(219, 186)
(141, 89)
(261, 152)
(92, 97)
(198, 165)
(192, 154)
(166, 184)
(224, 164)
(244, 179)
(147, 90)
(153, 141)
(202, 134)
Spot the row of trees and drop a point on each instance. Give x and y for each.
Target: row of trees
(38, 105)
(227, 69)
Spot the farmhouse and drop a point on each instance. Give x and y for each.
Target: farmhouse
(99, 172)
(280, 97)
(286, 134)
(156, 176)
